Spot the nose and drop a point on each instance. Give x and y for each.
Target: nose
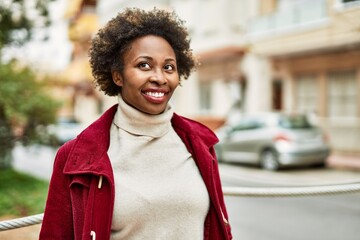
(158, 77)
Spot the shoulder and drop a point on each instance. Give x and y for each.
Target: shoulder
(62, 156)
(194, 128)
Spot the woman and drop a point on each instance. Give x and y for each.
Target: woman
(140, 171)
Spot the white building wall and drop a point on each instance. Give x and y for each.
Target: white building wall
(85, 109)
(107, 10)
(185, 99)
(223, 99)
(257, 70)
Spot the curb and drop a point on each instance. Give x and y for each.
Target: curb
(344, 162)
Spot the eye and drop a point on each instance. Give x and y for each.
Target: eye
(169, 67)
(144, 66)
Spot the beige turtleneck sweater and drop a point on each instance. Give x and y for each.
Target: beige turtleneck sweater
(159, 192)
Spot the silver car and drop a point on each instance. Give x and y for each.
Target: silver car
(272, 140)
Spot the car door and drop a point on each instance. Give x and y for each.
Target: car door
(243, 141)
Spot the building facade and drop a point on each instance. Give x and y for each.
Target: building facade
(313, 48)
(256, 55)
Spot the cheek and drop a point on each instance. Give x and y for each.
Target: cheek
(175, 81)
(132, 81)
(176, 84)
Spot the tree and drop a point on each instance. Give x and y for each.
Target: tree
(25, 107)
(19, 17)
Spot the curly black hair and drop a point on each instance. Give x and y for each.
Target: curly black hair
(114, 39)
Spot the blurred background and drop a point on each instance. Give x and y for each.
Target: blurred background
(255, 56)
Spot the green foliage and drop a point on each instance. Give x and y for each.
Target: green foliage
(24, 105)
(21, 194)
(18, 17)
(24, 99)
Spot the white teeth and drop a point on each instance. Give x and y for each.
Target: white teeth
(155, 94)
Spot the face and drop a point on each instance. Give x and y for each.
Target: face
(150, 74)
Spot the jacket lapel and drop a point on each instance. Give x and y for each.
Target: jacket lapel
(89, 152)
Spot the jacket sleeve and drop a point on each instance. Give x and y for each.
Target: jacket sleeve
(57, 222)
(218, 187)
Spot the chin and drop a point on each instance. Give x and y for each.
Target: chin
(154, 111)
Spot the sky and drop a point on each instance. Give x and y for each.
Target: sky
(52, 55)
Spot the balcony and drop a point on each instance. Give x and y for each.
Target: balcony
(296, 15)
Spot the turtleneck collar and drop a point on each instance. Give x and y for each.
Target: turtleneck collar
(138, 123)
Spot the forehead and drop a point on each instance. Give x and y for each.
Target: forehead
(150, 45)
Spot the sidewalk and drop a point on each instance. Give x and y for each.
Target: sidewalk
(344, 162)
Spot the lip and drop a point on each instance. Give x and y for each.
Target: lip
(156, 96)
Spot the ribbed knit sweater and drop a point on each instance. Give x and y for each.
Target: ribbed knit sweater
(159, 192)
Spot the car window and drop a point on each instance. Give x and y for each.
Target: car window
(294, 121)
(248, 124)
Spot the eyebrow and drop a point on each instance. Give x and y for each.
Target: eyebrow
(150, 58)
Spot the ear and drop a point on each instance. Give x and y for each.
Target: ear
(117, 78)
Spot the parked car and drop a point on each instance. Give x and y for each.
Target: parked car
(273, 140)
(64, 130)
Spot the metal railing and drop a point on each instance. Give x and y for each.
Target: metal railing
(228, 191)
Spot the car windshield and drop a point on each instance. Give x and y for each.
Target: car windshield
(294, 121)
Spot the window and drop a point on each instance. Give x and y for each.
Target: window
(205, 97)
(306, 93)
(347, 1)
(294, 121)
(342, 94)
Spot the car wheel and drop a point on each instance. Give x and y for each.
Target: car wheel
(320, 165)
(269, 160)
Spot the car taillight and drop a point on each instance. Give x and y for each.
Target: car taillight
(281, 137)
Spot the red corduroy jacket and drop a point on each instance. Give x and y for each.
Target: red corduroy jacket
(81, 194)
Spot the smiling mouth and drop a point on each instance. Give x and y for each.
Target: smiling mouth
(155, 94)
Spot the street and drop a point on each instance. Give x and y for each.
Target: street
(331, 217)
(328, 218)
